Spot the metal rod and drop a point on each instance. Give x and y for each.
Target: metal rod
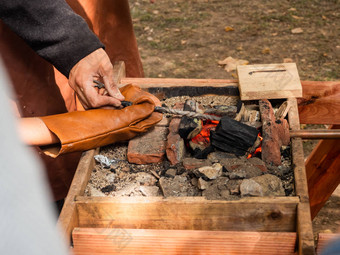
(316, 133)
(186, 113)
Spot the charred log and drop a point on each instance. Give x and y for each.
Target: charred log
(233, 136)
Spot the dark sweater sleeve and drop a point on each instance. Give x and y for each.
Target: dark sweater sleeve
(52, 29)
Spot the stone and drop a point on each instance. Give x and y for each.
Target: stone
(218, 156)
(256, 161)
(194, 181)
(231, 163)
(241, 174)
(193, 163)
(202, 184)
(210, 172)
(259, 163)
(149, 147)
(171, 172)
(211, 192)
(132, 189)
(221, 183)
(274, 170)
(225, 194)
(145, 179)
(234, 186)
(217, 190)
(149, 191)
(179, 186)
(265, 185)
(245, 171)
(251, 188)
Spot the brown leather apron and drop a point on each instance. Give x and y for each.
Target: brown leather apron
(40, 90)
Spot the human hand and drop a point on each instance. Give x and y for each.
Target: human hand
(95, 66)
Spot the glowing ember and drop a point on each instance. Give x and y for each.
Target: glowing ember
(204, 136)
(258, 150)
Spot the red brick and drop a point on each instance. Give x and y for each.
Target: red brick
(149, 147)
(173, 126)
(164, 122)
(175, 148)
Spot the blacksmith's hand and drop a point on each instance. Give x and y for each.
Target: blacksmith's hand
(95, 66)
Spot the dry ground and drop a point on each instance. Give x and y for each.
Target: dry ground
(186, 39)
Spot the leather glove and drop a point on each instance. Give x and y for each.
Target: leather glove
(84, 130)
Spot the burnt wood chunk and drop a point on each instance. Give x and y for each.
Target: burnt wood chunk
(233, 136)
(275, 133)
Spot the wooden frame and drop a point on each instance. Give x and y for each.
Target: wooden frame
(277, 215)
(181, 242)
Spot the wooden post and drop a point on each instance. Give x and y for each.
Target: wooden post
(323, 172)
(320, 102)
(304, 224)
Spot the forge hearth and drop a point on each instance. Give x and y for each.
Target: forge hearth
(129, 197)
(162, 161)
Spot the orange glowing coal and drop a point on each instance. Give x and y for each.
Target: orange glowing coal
(258, 149)
(204, 136)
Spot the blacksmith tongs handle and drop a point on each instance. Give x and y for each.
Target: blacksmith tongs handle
(101, 85)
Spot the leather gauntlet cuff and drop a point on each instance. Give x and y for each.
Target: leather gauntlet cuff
(80, 131)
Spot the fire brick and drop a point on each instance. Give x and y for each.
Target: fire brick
(175, 148)
(149, 147)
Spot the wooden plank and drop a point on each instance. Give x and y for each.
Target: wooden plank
(305, 230)
(269, 81)
(147, 241)
(324, 239)
(195, 213)
(304, 223)
(323, 172)
(119, 71)
(301, 188)
(68, 218)
(320, 103)
(146, 83)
